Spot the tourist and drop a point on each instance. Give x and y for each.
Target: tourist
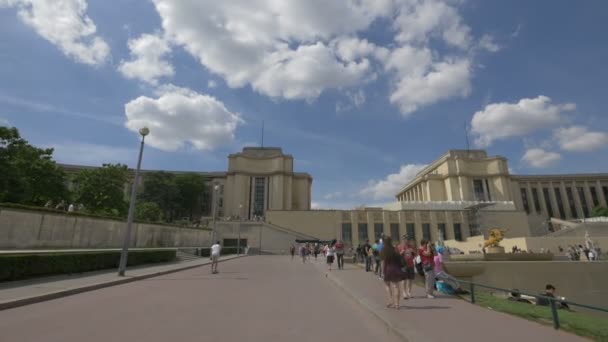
(292, 251)
(71, 208)
(368, 255)
(550, 292)
(380, 246)
(340, 254)
(316, 251)
(392, 273)
(426, 259)
(303, 251)
(376, 255)
(215, 256)
(408, 253)
(440, 273)
(330, 252)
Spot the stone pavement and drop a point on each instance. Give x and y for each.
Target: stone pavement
(23, 292)
(257, 298)
(444, 318)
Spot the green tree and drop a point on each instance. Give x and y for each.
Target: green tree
(190, 187)
(599, 211)
(160, 188)
(101, 190)
(148, 211)
(29, 174)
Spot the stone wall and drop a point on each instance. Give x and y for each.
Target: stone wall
(24, 229)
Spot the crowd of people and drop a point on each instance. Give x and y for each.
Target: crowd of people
(395, 263)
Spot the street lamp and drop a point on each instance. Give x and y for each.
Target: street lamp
(216, 187)
(125, 246)
(238, 242)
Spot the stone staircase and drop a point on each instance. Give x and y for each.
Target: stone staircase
(186, 255)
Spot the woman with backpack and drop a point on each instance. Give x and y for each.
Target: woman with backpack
(393, 273)
(426, 257)
(407, 250)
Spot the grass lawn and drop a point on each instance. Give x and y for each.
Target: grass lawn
(579, 323)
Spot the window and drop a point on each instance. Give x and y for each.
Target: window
(581, 195)
(560, 203)
(362, 232)
(536, 200)
(395, 231)
(378, 230)
(594, 198)
(410, 230)
(441, 228)
(605, 191)
(571, 202)
(347, 232)
(524, 200)
(457, 232)
(426, 231)
(548, 202)
(258, 196)
(478, 190)
(488, 188)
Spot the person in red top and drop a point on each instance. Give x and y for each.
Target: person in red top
(340, 254)
(408, 251)
(426, 255)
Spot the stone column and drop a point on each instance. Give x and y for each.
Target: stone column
(569, 214)
(553, 200)
(577, 200)
(600, 194)
(587, 192)
(531, 199)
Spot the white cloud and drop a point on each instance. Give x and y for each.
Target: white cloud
(92, 154)
(487, 43)
(65, 24)
(356, 99)
(389, 186)
(180, 116)
(147, 59)
(333, 195)
(503, 120)
(578, 138)
(4, 122)
(539, 158)
(211, 84)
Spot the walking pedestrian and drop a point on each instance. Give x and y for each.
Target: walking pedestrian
(340, 254)
(292, 251)
(316, 250)
(303, 253)
(368, 255)
(392, 272)
(426, 255)
(215, 256)
(376, 254)
(330, 252)
(408, 252)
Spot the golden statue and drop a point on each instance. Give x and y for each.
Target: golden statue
(496, 235)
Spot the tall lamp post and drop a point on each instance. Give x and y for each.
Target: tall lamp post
(216, 187)
(127, 239)
(238, 242)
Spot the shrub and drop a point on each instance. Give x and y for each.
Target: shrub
(18, 266)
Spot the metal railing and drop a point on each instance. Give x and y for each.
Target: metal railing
(553, 301)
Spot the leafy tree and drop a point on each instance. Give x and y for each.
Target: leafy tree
(599, 211)
(101, 190)
(160, 188)
(148, 211)
(29, 174)
(190, 187)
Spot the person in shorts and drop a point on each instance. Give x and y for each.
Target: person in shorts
(215, 256)
(408, 252)
(330, 253)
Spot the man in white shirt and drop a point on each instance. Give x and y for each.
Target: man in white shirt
(215, 256)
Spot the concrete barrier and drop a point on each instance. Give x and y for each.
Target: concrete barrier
(27, 229)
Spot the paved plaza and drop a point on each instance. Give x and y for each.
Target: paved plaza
(261, 298)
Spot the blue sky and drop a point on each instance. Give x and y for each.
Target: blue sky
(362, 93)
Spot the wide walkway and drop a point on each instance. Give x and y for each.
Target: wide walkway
(259, 298)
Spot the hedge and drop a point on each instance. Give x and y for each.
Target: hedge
(17, 266)
(206, 252)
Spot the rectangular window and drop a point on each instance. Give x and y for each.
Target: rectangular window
(560, 203)
(378, 230)
(488, 189)
(410, 230)
(426, 231)
(605, 191)
(536, 200)
(548, 202)
(441, 228)
(581, 195)
(347, 232)
(395, 231)
(524, 200)
(457, 232)
(363, 232)
(594, 198)
(478, 190)
(571, 202)
(258, 196)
